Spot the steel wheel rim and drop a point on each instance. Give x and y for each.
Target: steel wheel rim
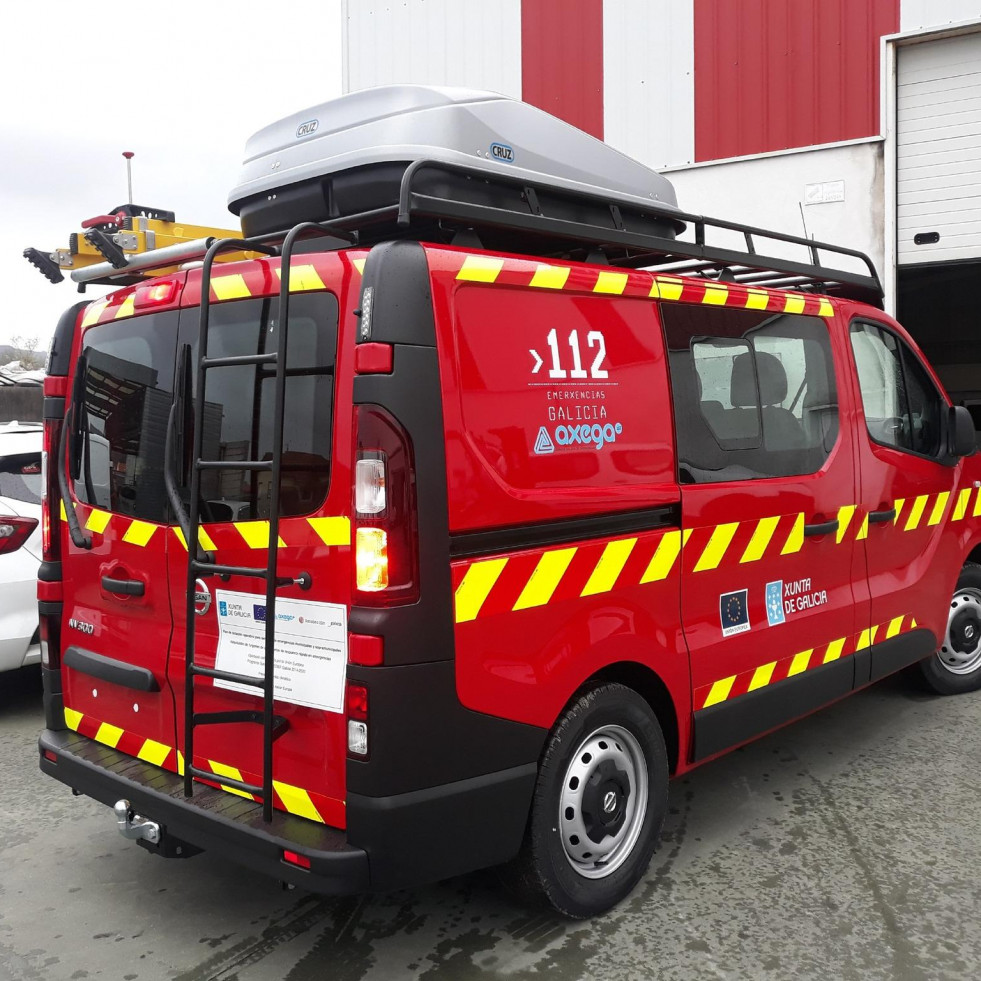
(586, 788)
(960, 652)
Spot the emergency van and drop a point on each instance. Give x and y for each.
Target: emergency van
(483, 493)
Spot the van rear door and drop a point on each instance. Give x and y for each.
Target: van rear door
(118, 621)
(229, 623)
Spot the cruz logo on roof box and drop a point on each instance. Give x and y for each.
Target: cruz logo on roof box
(307, 128)
(501, 151)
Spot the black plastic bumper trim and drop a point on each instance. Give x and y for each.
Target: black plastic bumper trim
(211, 820)
(111, 670)
(54, 700)
(50, 608)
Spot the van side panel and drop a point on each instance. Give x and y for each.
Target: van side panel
(564, 516)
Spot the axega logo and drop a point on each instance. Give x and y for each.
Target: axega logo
(594, 435)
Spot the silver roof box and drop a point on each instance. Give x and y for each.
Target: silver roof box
(347, 156)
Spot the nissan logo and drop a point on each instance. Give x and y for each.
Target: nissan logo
(609, 801)
(202, 597)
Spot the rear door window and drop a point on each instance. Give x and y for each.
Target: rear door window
(239, 409)
(124, 393)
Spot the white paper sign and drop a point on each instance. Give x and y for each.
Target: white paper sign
(311, 647)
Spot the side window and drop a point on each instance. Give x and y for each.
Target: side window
(754, 392)
(902, 406)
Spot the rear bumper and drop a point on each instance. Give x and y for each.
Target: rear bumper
(212, 819)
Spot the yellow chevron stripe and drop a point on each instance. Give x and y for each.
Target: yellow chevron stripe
(863, 531)
(302, 278)
(332, 531)
(765, 528)
(256, 533)
(895, 626)
(800, 662)
(757, 299)
(127, 308)
(230, 287)
(898, 505)
(97, 521)
(655, 292)
(476, 586)
(960, 508)
(64, 517)
(795, 540)
(359, 264)
(480, 269)
(719, 692)
(204, 539)
(977, 505)
(550, 277)
(762, 676)
(844, 520)
(936, 515)
(73, 719)
(297, 801)
(669, 289)
(93, 312)
(233, 773)
(153, 752)
(610, 565)
(875, 631)
(916, 512)
(610, 282)
(864, 641)
(663, 560)
(793, 304)
(543, 582)
(139, 532)
(714, 551)
(716, 294)
(834, 650)
(826, 309)
(108, 734)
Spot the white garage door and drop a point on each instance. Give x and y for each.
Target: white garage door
(938, 118)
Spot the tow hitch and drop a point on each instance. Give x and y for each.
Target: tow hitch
(131, 825)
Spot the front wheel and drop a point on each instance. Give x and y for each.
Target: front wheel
(956, 667)
(599, 803)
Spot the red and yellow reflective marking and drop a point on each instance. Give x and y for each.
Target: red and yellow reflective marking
(294, 800)
(726, 689)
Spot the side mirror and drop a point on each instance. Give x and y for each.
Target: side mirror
(961, 438)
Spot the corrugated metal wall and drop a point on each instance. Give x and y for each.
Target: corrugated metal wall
(433, 42)
(775, 74)
(938, 149)
(562, 60)
(648, 61)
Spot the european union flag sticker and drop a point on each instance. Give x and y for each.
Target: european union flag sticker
(734, 612)
(774, 603)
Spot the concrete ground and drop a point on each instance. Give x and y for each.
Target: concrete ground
(846, 846)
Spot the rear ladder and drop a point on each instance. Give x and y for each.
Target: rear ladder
(202, 564)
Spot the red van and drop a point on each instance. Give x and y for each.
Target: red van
(371, 562)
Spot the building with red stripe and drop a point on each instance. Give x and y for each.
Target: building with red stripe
(856, 122)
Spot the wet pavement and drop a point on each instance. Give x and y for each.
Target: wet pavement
(846, 846)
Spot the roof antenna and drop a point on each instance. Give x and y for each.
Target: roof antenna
(802, 220)
(128, 154)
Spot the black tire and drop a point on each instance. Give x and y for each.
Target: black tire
(634, 744)
(956, 667)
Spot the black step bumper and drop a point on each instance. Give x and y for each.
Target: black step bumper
(213, 820)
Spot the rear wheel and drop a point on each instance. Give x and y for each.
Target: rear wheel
(956, 667)
(599, 802)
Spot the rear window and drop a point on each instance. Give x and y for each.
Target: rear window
(22, 482)
(131, 380)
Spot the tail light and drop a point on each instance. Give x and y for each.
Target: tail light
(50, 499)
(356, 704)
(14, 532)
(385, 553)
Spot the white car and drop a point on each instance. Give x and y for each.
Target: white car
(20, 543)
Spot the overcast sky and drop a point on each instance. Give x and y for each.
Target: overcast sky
(181, 84)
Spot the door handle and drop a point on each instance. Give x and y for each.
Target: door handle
(881, 517)
(823, 528)
(123, 587)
